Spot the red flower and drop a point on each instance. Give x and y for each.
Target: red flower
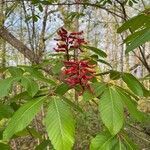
(69, 40)
(78, 73)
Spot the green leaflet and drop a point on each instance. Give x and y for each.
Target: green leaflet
(15, 72)
(62, 89)
(131, 105)
(119, 145)
(115, 75)
(98, 88)
(4, 146)
(60, 125)
(103, 141)
(138, 40)
(133, 84)
(111, 110)
(22, 117)
(37, 74)
(5, 111)
(96, 50)
(104, 62)
(129, 143)
(23, 95)
(72, 104)
(87, 95)
(5, 85)
(57, 67)
(28, 131)
(134, 23)
(43, 145)
(30, 85)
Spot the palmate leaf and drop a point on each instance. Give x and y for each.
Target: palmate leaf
(22, 117)
(87, 96)
(124, 145)
(56, 69)
(60, 125)
(136, 34)
(111, 110)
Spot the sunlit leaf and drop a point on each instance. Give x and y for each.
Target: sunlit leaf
(111, 110)
(60, 125)
(22, 117)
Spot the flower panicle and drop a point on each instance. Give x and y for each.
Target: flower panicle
(69, 40)
(78, 73)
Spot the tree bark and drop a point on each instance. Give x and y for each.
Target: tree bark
(29, 54)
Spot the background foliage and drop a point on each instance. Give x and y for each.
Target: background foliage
(38, 106)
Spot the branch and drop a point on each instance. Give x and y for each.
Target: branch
(80, 3)
(7, 36)
(27, 24)
(145, 63)
(136, 65)
(89, 4)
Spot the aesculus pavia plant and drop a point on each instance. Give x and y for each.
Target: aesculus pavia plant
(59, 121)
(77, 72)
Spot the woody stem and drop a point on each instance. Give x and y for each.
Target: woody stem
(67, 50)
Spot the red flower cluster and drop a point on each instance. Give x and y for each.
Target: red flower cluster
(79, 73)
(69, 40)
